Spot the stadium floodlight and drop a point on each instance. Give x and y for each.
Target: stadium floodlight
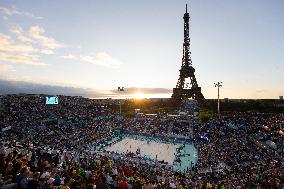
(218, 84)
(120, 89)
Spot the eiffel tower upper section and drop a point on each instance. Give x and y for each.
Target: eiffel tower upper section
(185, 90)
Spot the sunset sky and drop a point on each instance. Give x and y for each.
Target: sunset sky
(92, 47)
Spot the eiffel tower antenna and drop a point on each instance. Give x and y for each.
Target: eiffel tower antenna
(185, 90)
(185, 8)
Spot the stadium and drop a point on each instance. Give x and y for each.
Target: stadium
(95, 95)
(80, 143)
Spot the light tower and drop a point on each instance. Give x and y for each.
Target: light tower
(119, 89)
(218, 84)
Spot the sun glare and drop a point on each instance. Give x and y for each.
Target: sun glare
(139, 96)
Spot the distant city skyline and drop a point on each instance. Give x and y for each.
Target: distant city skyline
(90, 48)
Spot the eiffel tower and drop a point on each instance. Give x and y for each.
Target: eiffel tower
(185, 90)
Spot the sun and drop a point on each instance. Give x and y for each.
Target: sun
(139, 95)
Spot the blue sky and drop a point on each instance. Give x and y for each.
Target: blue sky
(100, 45)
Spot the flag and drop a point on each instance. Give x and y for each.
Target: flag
(120, 88)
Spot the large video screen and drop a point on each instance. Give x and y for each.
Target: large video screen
(51, 100)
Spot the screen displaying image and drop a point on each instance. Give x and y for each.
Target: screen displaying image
(51, 100)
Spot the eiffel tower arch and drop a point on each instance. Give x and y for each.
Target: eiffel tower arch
(190, 89)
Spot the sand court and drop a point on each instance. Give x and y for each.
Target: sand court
(151, 149)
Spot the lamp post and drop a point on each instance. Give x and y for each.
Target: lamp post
(119, 89)
(218, 84)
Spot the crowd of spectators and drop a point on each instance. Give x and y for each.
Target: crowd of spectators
(48, 146)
